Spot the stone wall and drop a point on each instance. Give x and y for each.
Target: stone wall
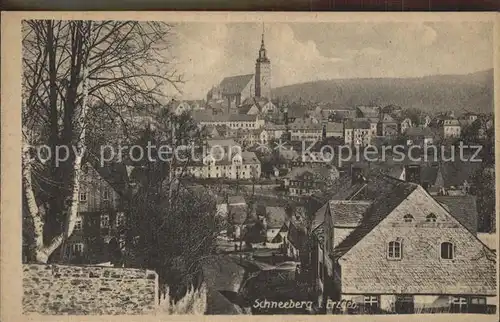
(57, 289)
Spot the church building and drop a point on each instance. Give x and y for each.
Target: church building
(234, 90)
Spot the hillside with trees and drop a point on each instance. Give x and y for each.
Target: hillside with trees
(458, 93)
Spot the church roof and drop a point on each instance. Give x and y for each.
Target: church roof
(235, 84)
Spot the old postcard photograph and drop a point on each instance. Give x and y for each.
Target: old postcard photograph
(249, 164)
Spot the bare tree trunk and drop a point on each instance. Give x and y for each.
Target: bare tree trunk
(79, 148)
(35, 223)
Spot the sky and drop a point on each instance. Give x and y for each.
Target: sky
(300, 52)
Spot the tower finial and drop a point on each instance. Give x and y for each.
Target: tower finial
(262, 42)
(262, 51)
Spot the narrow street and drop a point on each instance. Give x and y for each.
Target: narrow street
(223, 276)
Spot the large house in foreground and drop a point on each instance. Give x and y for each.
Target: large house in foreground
(389, 246)
(101, 214)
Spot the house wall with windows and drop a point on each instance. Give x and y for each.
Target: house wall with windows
(245, 167)
(99, 215)
(419, 249)
(96, 194)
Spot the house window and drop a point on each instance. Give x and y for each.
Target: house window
(394, 250)
(105, 221)
(477, 305)
(105, 194)
(408, 218)
(74, 249)
(120, 219)
(431, 218)
(78, 224)
(478, 300)
(83, 196)
(447, 250)
(458, 304)
(371, 303)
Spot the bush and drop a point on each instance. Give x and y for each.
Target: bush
(193, 303)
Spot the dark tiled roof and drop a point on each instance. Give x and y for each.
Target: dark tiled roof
(455, 173)
(381, 208)
(236, 200)
(334, 127)
(208, 116)
(463, 208)
(417, 131)
(297, 236)
(429, 174)
(298, 173)
(115, 174)
(357, 124)
(348, 213)
(235, 84)
(369, 111)
(276, 217)
(307, 124)
(296, 111)
(237, 214)
(449, 173)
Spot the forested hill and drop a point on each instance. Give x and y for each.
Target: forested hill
(470, 92)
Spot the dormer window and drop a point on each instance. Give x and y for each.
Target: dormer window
(408, 218)
(447, 250)
(431, 217)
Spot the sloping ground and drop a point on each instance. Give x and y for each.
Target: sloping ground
(459, 93)
(222, 274)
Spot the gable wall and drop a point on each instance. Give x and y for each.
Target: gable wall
(94, 185)
(366, 269)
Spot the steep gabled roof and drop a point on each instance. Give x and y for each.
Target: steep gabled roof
(235, 84)
(379, 210)
(357, 124)
(115, 174)
(296, 236)
(348, 213)
(276, 217)
(462, 208)
(418, 131)
(369, 111)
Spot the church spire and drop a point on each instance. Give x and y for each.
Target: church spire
(262, 51)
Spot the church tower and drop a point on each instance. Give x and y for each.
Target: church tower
(263, 73)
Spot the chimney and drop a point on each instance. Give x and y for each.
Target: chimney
(412, 173)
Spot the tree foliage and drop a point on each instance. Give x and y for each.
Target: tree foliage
(80, 78)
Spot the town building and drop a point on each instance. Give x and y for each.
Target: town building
(390, 247)
(305, 130)
(257, 105)
(420, 136)
(306, 181)
(405, 124)
(231, 120)
(234, 90)
(333, 129)
(101, 214)
(387, 126)
(451, 128)
(240, 166)
(358, 132)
